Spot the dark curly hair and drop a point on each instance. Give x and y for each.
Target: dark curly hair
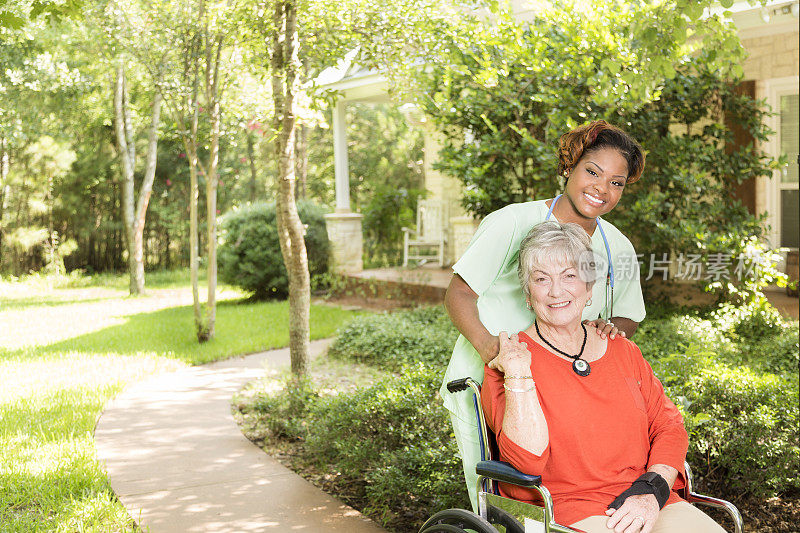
(573, 145)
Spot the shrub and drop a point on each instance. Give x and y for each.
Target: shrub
(250, 255)
(396, 437)
(392, 340)
(388, 210)
(285, 415)
(753, 334)
(743, 433)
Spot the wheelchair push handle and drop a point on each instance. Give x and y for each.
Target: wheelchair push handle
(457, 385)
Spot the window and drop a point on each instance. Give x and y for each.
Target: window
(788, 186)
(778, 195)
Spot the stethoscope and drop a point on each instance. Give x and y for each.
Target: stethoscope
(610, 276)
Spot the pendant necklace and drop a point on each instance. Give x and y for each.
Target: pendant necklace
(579, 366)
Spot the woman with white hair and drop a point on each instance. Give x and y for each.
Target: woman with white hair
(582, 410)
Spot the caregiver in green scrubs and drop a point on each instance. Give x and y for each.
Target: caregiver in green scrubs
(484, 296)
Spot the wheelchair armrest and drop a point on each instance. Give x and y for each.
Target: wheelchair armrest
(501, 471)
(718, 503)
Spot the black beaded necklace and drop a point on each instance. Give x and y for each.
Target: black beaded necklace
(579, 366)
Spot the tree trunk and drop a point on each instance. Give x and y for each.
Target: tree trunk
(144, 194)
(290, 229)
(251, 157)
(126, 154)
(212, 93)
(301, 160)
(4, 168)
(191, 154)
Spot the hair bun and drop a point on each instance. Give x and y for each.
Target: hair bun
(575, 143)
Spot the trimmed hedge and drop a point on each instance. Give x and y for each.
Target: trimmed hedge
(249, 254)
(392, 340)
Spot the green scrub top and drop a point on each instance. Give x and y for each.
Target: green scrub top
(489, 266)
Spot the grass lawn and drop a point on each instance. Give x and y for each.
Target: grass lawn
(68, 346)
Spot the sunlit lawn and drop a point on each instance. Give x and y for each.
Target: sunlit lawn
(66, 348)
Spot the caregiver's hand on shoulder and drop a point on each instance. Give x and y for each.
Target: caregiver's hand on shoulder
(604, 328)
(490, 350)
(637, 514)
(514, 355)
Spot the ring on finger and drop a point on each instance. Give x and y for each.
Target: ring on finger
(610, 324)
(639, 518)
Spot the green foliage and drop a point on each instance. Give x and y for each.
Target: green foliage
(502, 95)
(743, 426)
(15, 16)
(684, 202)
(387, 211)
(395, 434)
(393, 340)
(386, 179)
(250, 255)
(754, 267)
(391, 442)
(286, 415)
(754, 335)
(34, 240)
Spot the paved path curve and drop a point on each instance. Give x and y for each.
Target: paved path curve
(177, 460)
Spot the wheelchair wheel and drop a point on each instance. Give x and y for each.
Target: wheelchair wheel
(456, 521)
(443, 528)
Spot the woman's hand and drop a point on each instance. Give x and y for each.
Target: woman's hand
(513, 357)
(604, 328)
(637, 515)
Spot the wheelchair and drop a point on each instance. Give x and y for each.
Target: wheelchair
(497, 514)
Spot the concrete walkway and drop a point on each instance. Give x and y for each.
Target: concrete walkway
(177, 460)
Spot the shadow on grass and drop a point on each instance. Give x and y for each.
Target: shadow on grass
(24, 303)
(242, 327)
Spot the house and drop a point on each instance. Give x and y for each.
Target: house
(769, 33)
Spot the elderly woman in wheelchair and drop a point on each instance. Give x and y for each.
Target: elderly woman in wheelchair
(582, 414)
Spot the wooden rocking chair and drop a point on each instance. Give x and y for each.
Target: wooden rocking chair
(430, 233)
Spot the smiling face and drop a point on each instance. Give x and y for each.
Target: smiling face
(557, 293)
(596, 183)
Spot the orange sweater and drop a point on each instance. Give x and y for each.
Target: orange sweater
(605, 429)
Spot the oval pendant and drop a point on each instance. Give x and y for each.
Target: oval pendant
(581, 367)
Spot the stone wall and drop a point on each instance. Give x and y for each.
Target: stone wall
(772, 56)
(346, 240)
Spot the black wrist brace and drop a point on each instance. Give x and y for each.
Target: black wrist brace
(647, 483)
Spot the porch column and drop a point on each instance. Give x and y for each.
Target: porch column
(344, 226)
(341, 167)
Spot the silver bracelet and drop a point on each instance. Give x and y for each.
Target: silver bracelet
(510, 389)
(518, 377)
